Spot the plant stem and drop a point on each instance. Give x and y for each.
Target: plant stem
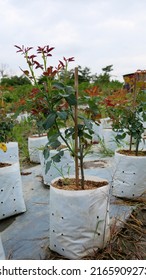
(63, 138)
(76, 130)
(137, 145)
(134, 107)
(130, 147)
(81, 165)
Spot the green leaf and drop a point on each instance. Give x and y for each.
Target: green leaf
(71, 99)
(120, 136)
(48, 165)
(46, 152)
(87, 135)
(59, 85)
(87, 123)
(52, 133)
(70, 90)
(58, 156)
(54, 144)
(50, 120)
(62, 115)
(69, 132)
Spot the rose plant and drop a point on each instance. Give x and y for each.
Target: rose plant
(6, 122)
(59, 105)
(127, 111)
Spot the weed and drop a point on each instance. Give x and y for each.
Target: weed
(106, 152)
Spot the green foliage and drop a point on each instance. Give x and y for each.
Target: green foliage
(12, 95)
(20, 133)
(60, 101)
(84, 75)
(128, 112)
(106, 152)
(104, 78)
(53, 101)
(6, 126)
(15, 81)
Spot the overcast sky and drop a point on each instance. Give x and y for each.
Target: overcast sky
(96, 32)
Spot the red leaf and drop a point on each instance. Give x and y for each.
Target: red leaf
(62, 64)
(71, 59)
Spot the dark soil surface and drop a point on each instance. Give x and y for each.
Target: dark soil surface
(132, 153)
(70, 184)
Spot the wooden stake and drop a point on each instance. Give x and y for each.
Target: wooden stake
(76, 130)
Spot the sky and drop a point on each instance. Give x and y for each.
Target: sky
(97, 33)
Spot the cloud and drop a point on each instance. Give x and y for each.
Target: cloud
(96, 32)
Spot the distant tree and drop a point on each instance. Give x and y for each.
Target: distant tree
(3, 68)
(15, 81)
(84, 74)
(107, 69)
(104, 78)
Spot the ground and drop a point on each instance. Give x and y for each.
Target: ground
(127, 244)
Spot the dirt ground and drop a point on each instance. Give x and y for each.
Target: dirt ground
(127, 244)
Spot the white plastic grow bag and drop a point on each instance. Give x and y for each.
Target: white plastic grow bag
(2, 254)
(12, 153)
(108, 136)
(97, 132)
(11, 195)
(23, 117)
(65, 165)
(129, 176)
(79, 220)
(106, 123)
(144, 125)
(34, 143)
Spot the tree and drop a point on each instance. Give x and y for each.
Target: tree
(3, 68)
(104, 78)
(15, 81)
(84, 74)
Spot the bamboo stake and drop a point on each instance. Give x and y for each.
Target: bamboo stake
(76, 130)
